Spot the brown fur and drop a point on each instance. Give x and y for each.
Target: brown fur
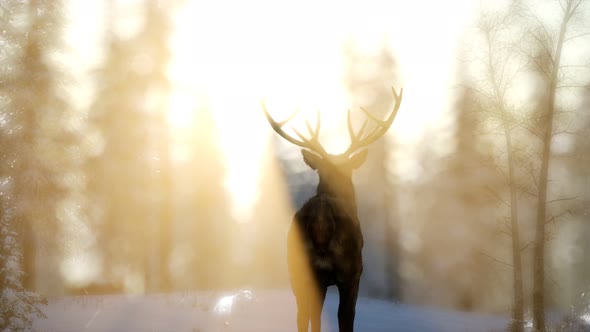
(325, 244)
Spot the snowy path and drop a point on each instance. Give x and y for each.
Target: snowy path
(266, 311)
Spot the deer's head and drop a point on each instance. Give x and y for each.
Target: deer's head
(335, 171)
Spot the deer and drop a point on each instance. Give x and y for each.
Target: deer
(324, 241)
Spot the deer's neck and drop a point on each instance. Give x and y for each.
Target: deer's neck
(342, 191)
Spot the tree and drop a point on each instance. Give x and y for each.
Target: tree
(18, 307)
(472, 176)
(155, 34)
(133, 217)
(33, 152)
(499, 67)
(36, 115)
(39, 111)
(507, 38)
(548, 62)
(454, 215)
(578, 165)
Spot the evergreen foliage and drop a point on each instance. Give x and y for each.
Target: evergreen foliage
(18, 307)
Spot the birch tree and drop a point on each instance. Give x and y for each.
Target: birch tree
(555, 72)
(499, 65)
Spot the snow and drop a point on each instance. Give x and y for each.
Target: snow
(244, 310)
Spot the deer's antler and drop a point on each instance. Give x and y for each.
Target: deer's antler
(360, 140)
(307, 143)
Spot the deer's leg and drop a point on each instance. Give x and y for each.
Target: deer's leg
(347, 307)
(316, 308)
(303, 311)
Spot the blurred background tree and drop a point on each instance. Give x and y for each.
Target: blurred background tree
(134, 217)
(38, 143)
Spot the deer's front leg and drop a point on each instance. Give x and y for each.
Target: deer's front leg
(316, 308)
(300, 276)
(303, 311)
(347, 308)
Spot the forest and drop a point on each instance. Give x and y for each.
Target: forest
(135, 157)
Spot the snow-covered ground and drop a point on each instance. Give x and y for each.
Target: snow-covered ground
(248, 311)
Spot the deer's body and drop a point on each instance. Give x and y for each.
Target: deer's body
(325, 239)
(324, 249)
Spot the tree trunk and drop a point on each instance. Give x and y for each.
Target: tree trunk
(517, 324)
(166, 216)
(28, 248)
(539, 243)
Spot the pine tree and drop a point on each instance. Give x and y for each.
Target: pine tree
(44, 135)
(18, 307)
(471, 177)
(33, 137)
(14, 314)
(130, 181)
(456, 227)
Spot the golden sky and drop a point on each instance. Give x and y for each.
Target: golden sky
(228, 55)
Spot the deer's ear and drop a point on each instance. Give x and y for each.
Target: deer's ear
(311, 159)
(358, 159)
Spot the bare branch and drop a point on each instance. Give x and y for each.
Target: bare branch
(568, 132)
(532, 58)
(576, 36)
(584, 66)
(508, 226)
(524, 190)
(525, 247)
(533, 177)
(518, 71)
(573, 10)
(554, 217)
(573, 86)
(503, 173)
(539, 22)
(543, 43)
(562, 199)
(530, 130)
(496, 195)
(495, 259)
(476, 90)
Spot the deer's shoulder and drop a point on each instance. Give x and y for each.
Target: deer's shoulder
(323, 205)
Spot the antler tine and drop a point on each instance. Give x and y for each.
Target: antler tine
(351, 133)
(357, 141)
(314, 133)
(311, 143)
(282, 123)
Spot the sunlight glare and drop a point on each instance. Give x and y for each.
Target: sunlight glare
(292, 58)
(181, 113)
